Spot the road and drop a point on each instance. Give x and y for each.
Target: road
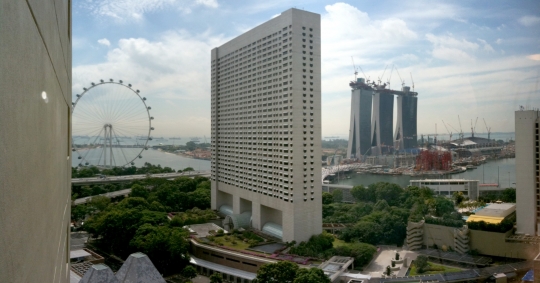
(130, 178)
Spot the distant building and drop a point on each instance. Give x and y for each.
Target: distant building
(35, 124)
(405, 133)
(528, 172)
(447, 187)
(266, 126)
(371, 128)
(360, 124)
(382, 123)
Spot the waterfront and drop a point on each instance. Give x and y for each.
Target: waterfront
(493, 171)
(485, 173)
(165, 159)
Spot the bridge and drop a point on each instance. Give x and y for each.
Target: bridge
(131, 178)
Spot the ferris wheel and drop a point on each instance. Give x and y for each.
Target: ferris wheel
(111, 125)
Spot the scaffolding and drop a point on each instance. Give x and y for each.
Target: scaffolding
(429, 160)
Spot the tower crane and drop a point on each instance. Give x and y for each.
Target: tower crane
(473, 129)
(402, 81)
(355, 70)
(460, 130)
(412, 81)
(449, 133)
(487, 129)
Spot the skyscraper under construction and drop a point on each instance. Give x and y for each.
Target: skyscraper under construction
(372, 116)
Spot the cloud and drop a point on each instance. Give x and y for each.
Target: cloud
(447, 47)
(499, 41)
(208, 3)
(535, 57)
(174, 67)
(529, 20)
(487, 47)
(134, 10)
(104, 41)
(348, 31)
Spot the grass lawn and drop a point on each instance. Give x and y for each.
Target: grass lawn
(240, 245)
(435, 269)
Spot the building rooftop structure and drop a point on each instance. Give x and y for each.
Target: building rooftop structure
(494, 213)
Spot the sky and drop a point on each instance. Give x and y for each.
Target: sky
(467, 58)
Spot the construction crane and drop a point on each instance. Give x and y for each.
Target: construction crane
(460, 130)
(487, 129)
(473, 129)
(402, 81)
(412, 81)
(435, 139)
(355, 69)
(449, 133)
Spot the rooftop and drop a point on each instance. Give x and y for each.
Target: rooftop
(497, 210)
(203, 230)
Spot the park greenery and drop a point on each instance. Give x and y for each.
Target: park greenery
(322, 246)
(382, 210)
(421, 266)
(140, 223)
(287, 272)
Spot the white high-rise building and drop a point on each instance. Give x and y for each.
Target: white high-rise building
(266, 127)
(528, 172)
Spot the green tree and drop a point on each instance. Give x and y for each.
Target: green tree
(190, 145)
(187, 169)
(168, 247)
(361, 193)
(421, 263)
(139, 191)
(327, 198)
(363, 231)
(361, 252)
(458, 197)
(381, 205)
(391, 193)
(216, 278)
(189, 272)
(78, 212)
(443, 206)
(98, 203)
(509, 195)
(279, 272)
(337, 195)
(312, 275)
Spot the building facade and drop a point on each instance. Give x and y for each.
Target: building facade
(35, 166)
(528, 172)
(382, 123)
(405, 133)
(360, 124)
(266, 126)
(447, 187)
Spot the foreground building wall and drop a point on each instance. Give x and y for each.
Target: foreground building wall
(528, 172)
(266, 125)
(35, 170)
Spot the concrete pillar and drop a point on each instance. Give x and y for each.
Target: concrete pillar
(236, 204)
(213, 196)
(256, 215)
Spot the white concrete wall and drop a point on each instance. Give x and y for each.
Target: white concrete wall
(266, 109)
(35, 173)
(526, 162)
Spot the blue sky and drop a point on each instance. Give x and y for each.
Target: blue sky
(467, 58)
